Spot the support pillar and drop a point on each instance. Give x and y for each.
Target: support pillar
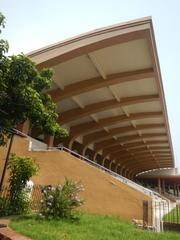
(94, 157)
(24, 127)
(116, 168)
(121, 171)
(159, 185)
(103, 162)
(110, 165)
(35, 132)
(163, 186)
(178, 190)
(126, 173)
(49, 140)
(174, 189)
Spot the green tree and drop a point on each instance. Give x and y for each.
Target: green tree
(22, 93)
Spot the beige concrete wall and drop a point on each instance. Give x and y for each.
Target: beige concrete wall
(103, 194)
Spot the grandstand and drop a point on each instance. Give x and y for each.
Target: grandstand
(109, 94)
(108, 89)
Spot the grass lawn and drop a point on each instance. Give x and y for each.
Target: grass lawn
(173, 216)
(89, 227)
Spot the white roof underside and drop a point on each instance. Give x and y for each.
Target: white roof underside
(128, 56)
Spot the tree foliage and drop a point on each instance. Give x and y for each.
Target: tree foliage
(22, 93)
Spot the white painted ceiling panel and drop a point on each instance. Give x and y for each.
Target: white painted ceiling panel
(98, 95)
(144, 107)
(156, 139)
(123, 124)
(126, 134)
(79, 121)
(65, 105)
(149, 121)
(109, 113)
(154, 130)
(159, 144)
(124, 57)
(136, 88)
(74, 70)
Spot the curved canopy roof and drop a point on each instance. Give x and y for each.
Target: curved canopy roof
(108, 89)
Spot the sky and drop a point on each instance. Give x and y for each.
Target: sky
(32, 24)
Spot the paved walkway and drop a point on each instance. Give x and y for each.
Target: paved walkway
(7, 233)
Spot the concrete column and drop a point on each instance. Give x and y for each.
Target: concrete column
(49, 140)
(116, 168)
(159, 185)
(103, 161)
(110, 165)
(35, 132)
(126, 173)
(24, 127)
(163, 186)
(130, 175)
(177, 190)
(121, 171)
(174, 189)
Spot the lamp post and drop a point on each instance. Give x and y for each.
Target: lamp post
(6, 161)
(12, 132)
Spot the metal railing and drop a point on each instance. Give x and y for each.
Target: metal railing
(116, 175)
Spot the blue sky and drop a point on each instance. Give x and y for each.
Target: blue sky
(32, 24)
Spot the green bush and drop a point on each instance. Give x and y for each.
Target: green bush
(60, 201)
(18, 199)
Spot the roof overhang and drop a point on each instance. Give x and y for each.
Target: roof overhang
(108, 89)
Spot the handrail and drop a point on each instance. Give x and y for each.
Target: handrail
(116, 175)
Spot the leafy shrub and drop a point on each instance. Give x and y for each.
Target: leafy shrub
(60, 201)
(18, 199)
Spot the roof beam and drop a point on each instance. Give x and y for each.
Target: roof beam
(77, 113)
(149, 143)
(97, 65)
(138, 169)
(154, 56)
(111, 142)
(85, 44)
(144, 163)
(135, 156)
(96, 83)
(144, 159)
(132, 146)
(141, 154)
(144, 155)
(97, 136)
(88, 127)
